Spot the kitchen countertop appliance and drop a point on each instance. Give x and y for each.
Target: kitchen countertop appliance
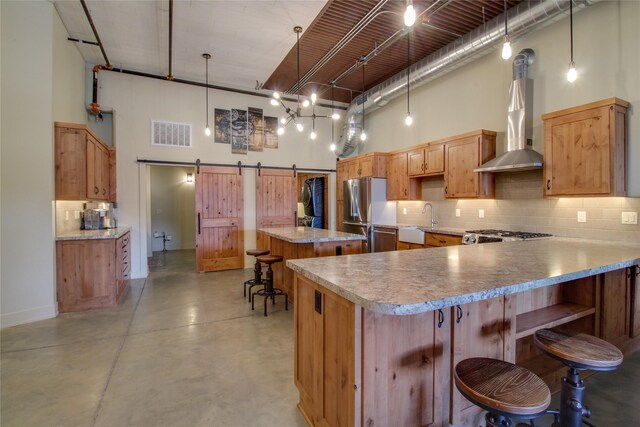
(98, 216)
(365, 203)
(473, 237)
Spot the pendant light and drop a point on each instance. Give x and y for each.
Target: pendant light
(408, 120)
(363, 135)
(207, 57)
(293, 115)
(409, 14)
(572, 74)
(506, 47)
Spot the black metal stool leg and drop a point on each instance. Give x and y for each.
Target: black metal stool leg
(572, 408)
(495, 420)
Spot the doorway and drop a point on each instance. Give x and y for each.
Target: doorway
(172, 212)
(324, 202)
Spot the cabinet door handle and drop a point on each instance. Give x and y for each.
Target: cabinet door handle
(405, 191)
(96, 190)
(440, 318)
(548, 184)
(422, 167)
(426, 167)
(199, 223)
(442, 241)
(459, 314)
(104, 191)
(445, 190)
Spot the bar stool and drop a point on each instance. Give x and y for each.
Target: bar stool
(257, 279)
(579, 352)
(503, 389)
(269, 291)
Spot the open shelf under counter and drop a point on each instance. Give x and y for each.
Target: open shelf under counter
(549, 317)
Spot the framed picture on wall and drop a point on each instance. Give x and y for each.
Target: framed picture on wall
(255, 130)
(239, 135)
(270, 132)
(222, 128)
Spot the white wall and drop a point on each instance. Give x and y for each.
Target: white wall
(138, 100)
(42, 81)
(607, 55)
(173, 206)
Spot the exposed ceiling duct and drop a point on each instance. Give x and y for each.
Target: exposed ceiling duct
(523, 18)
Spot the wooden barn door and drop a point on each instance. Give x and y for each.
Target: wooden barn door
(276, 198)
(219, 219)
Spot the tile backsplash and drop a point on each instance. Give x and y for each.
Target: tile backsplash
(68, 215)
(519, 205)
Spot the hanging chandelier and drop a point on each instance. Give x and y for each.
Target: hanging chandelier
(293, 115)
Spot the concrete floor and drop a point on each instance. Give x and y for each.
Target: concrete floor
(185, 349)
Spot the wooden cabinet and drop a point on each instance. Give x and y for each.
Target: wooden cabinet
(85, 167)
(340, 216)
(615, 307)
(403, 246)
(478, 329)
(123, 264)
(426, 161)
(92, 273)
(462, 156)
(585, 150)
(370, 165)
(440, 239)
(71, 163)
(405, 375)
(325, 357)
(634, 277)
(97, 170)
(342, 174)
(399, 186)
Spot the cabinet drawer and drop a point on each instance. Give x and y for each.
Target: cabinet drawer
(438, 239)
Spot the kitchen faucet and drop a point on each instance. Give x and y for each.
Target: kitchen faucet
(433, 213)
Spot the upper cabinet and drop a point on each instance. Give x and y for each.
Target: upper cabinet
(427, 161)
(585, 150)
(371, 165)
(342, 174)
(463, 154)
(399, 186)
(85, 167)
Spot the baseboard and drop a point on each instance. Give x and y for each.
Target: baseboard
(27, 316)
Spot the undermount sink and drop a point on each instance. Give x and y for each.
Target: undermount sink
(425, 229)
(411, 235)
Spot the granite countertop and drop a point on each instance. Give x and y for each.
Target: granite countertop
(425, 228)
(411, 282)
(309, 235)
(111, 233)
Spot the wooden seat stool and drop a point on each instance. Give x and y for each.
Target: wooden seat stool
(503, 389)
(579, 352)
(257, 279)
(269, 291)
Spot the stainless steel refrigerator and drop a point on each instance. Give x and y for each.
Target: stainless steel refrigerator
(365, 203)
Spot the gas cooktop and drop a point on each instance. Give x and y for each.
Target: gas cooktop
(471, 237)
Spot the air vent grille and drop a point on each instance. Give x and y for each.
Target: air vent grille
(170, 134)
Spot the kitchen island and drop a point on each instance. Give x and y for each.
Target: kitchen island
(304, 242)
(377, 335)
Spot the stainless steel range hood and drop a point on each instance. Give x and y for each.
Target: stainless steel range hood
(520, 155)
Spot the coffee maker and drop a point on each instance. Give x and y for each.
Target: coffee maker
(98, 216)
